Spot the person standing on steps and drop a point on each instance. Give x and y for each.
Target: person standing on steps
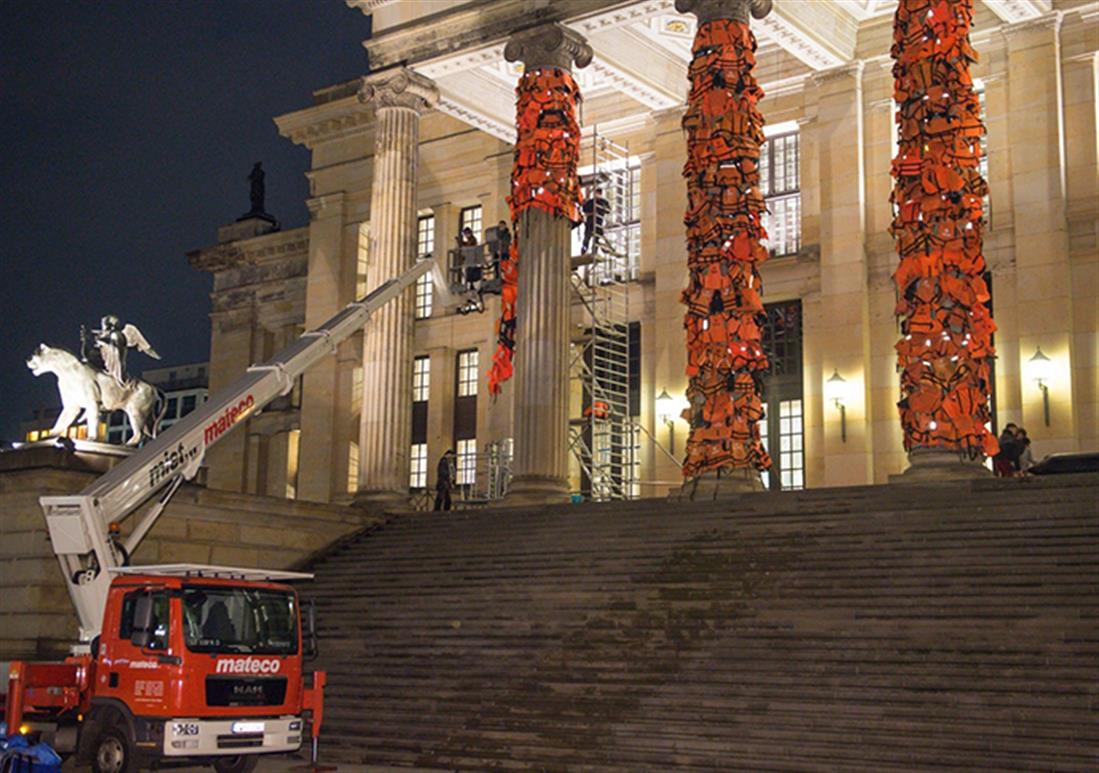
(1004, 463)
(444, 477)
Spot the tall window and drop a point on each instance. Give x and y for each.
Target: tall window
(421, 378)
(425, 247)
(362, 258)
(979, 88)
(780, 184)
(467, 373)
(466, 462)
(782, 430)
(418, 476)
(471, 218)
(352, 467)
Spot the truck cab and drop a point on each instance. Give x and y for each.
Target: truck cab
(193, 664)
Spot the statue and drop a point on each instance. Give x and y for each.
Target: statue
(259, 190)
(111, 343)
(89, 390)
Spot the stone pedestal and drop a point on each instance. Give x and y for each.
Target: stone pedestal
(541, 464)
(932, 465)
(722, 484)
(385, 435)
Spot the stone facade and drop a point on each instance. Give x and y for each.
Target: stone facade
(830, 82)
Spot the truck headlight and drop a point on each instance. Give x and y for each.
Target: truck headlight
(295, 725)
(247, 727)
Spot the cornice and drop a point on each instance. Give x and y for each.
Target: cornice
(851, 69)
(1051, 20)
(322, 123)
(326, 205)
(216, 258)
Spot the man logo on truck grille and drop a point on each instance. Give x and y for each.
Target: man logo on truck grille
(226, 420)
(248, 666)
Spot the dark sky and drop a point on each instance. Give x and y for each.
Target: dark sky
(128, 130)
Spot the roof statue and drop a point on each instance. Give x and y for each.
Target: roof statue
(111, 343)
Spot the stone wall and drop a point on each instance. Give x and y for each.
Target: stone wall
(200, 526)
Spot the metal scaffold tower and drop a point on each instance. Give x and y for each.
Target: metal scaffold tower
(604, 439)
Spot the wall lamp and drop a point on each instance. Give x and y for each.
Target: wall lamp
(835, 389)
(665, 411)
(1040, 368)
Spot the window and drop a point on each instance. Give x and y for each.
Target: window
(251, 621)
(170, 411)
(791, 457)
(159, 635)
(466, 462)
(418, 476)
(425, 236)
(352, 467)
(188, 405)
(425, 296)
(782, 422)
(471, 218)
(421, 379)
(425, 247)
(362, 258)
(356, 390)
(780, 184)
(982, 164)
(467, 373)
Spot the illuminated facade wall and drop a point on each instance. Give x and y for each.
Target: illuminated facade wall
(832, 140)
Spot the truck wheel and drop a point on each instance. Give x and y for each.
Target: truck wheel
(242, 763)
(112, 752)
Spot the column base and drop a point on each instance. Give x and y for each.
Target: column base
(722, 484)
(382, 502)
(537, 490)
(930, 465)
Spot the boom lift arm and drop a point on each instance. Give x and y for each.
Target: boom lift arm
(80, 525)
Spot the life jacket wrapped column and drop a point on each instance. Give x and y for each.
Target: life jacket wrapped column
(942, 298)
(545, 202)
(725, 357)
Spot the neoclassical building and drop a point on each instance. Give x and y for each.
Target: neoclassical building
(405, 157)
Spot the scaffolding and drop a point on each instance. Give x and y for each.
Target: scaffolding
(604, 439)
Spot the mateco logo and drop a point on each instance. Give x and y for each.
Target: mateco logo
(248, 666)
(226, 420)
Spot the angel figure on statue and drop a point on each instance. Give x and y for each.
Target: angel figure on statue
(112, 341)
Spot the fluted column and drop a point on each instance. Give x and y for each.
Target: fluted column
(541, 403)
(385, 431)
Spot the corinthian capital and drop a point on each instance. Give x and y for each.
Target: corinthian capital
(399, 87)
(548, 45)
(737, 10)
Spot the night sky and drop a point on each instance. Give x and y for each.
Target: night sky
(129, 129)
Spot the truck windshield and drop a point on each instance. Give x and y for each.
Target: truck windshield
(239, 620)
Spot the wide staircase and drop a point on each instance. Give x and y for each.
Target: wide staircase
(875, 628)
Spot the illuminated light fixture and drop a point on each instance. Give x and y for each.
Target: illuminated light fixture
(1040, 369)
(665, 411)
(836, 390)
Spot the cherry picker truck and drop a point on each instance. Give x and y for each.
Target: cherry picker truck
(180, 663)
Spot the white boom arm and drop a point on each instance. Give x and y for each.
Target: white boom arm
(79, 525)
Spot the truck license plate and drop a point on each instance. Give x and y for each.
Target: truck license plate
(185, 728)
(247, 727)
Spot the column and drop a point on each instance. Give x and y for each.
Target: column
(1044, 278)
(945, 349)
(324, 291)
(837, 326)
(541, 405)
(400, 97)
(725, 357)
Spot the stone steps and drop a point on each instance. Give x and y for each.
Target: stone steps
(883, 628)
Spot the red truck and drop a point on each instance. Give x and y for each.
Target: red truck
(180, 662)
(193, 663)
